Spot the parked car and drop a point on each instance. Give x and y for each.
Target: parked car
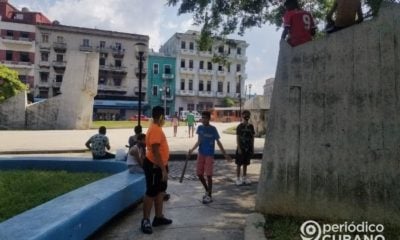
(142, 118)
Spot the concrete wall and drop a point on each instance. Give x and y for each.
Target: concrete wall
(332, 147)
(72, 109)
(12, 112)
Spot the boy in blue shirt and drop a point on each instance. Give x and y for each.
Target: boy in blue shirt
(207, 135)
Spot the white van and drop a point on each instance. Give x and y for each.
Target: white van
(183, 115)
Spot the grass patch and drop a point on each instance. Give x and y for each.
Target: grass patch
(288, 227)
(21, 190)
(129, 124)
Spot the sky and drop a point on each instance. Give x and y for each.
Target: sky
(159, 21)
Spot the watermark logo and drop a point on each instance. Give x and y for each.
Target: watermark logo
(312, 230)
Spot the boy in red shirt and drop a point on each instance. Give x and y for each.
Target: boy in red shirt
(299, 24)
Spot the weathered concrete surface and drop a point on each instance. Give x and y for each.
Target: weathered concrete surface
(332, 146)
(72, 109)
(12, 112)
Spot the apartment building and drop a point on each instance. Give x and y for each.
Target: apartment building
(118, 83)
(38, 49)
(200, 83)
(161, 82)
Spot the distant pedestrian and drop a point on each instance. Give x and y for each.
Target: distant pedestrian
(245, 147)
(191, 122)
(98, 144)
(175, 123)
(207, 135)
(155, 167)
(136, 155)
(347, 13)
(298, 24)
(133, 139)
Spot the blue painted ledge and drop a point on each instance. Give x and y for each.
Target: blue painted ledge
(77, 214)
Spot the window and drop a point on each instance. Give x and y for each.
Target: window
(190, 85)
(183, 45)
(168, 92)
(24, 57)
(44, 76)
(117, 81)
(10, 33)
(190, 107)
(44, 93)
(208, 86)
(221, 49)
(239, 51)
(229, 67)
(190, 63)
(182, 84)
(238, 67)
(183, 63)
(191, 45)
(85, 42)
(220, 87)
(102, 44)
(60, 58)
(22, 78)
(24, 35)
(60, 39)
(228, 87)
(9, 55)
(167, 69)
(102, 62)
(44, 56)
(118, 63)
(237, 88)
(201, 65)
(59, 78)
(102, 80)
(155, 68)
(155, 90)
(220, 68)
(45, 37)
(118, 46)
(209, 65)
(201, 85)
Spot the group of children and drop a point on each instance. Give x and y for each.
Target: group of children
(299, 26)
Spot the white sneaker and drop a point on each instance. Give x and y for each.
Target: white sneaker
(246, 181)
(239, 182)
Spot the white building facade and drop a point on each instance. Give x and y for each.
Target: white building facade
(200, 83)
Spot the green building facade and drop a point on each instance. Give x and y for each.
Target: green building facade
(161, 82)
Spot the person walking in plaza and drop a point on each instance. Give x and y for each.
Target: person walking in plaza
(345, 12)
(245, 147)
(298, 24)
(207, 135)
(136, 155)
(191, 122)
(155, 168)
(98, 144)
(175, 123)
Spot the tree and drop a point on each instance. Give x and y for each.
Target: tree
(10, 85)
(228, 102)
(220, 18)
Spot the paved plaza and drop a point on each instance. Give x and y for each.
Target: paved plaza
(222, 219)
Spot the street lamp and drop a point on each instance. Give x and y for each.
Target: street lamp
(141, 49)
(250, 85)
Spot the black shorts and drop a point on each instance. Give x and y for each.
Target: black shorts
(243, 159)
(154, 183)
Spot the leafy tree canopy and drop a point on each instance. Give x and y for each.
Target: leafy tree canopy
(228, 102)
(10, 85)
(224, 17)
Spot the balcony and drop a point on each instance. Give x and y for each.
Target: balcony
(187, 70)
(168, 98)
(19, 65)
(221, 94)
(59, 64)
(57, 84)
(118, 69)
(144, 72)
(19, 41)
(118, 53)
(102, 49)
(110, 88)
(206, 72)
(44, 46)
(42, 84)
(241, 57)
(221, 73)
(190, 52)
(205, 54)
(206, 94)
(45, 64)
(60, 46)
(85, 48)
(168, 76)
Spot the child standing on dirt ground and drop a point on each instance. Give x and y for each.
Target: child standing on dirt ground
(207, 135)
(245, 147)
